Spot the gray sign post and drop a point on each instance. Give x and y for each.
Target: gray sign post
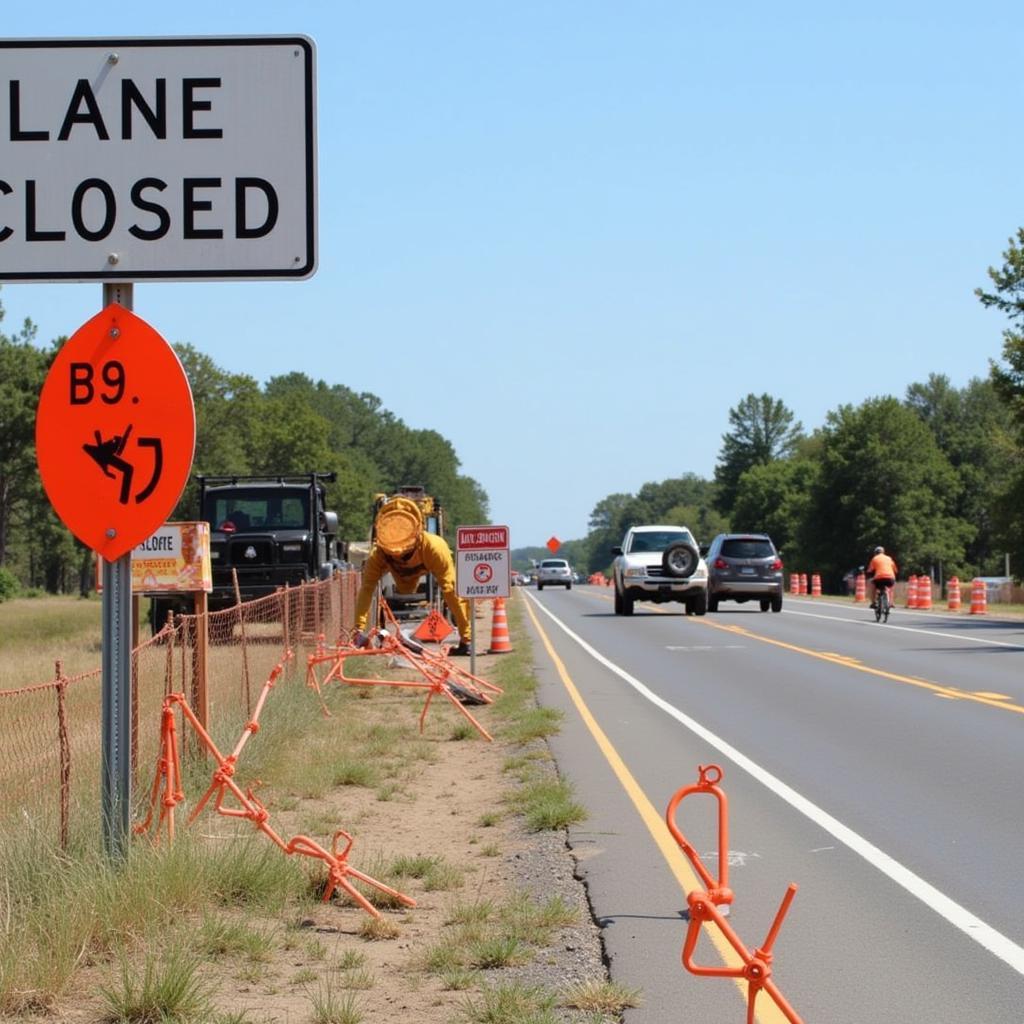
(115, 769)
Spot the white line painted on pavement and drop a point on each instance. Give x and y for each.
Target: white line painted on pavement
(908, 629)
(972, 926)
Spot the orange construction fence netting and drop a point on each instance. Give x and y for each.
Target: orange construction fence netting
(50, 730)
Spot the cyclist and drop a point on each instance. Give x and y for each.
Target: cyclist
(882, 573)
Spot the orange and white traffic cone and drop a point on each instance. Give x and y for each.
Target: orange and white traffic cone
(979, 597)
(500, 641)
(953, 594)
(815, 585)
(860, 593)
(912, 592)
(924, 592)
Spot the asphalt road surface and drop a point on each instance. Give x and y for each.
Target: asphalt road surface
(877, 766)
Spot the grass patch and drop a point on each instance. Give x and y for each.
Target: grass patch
(377, 929)
(534, 724)
(218, 938)
(162, 989)
(501, 950)
(548, 804)
(603, 997)
(331, 1005)
(436, 873)
(510, 1004)
(351, 771)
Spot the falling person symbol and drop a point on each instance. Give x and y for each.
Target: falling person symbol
(107, 454)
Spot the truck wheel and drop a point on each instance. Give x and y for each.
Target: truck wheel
(627, 605)
(680, 560)
(777, 603)
(540, 586)
(700, 604)
(618, 602)
(712, 603)
(765, 604)
(568, 586)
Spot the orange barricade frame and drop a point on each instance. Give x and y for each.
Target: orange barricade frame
(703, 905)
(167, 791)
(440, 676)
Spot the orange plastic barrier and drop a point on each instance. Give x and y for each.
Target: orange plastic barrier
(803, 583)
(953, 594)
(979, 597)
(815, 585)
(168, 792)
(924, 593)
(860, 593)
(703, 905)
(794, 583)
(440, 675)
(912, 592)
(434, 628)
(501, 642)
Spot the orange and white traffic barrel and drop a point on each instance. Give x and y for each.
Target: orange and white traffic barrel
(860, 592)
(953, 594)
(979, 597)
(912, 592)
(815, 585)
(924, 592)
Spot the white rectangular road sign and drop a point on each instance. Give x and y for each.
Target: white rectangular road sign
(482, 561)
(142, 159)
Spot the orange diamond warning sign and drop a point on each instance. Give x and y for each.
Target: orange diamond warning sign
(553, 544)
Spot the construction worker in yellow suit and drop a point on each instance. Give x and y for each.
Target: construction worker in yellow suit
(403, 548)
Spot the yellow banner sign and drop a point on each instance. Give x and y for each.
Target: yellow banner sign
(176, 558)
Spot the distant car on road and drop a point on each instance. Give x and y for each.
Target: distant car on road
(659, 563)
(744, 567)
(556, 571)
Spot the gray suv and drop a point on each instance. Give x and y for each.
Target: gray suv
(744, 567)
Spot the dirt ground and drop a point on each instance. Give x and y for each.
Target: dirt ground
(452, 810)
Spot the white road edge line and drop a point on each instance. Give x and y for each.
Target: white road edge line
(972, 926)
(907, 629)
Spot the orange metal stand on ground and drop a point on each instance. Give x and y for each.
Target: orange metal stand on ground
(703, 906)
(167, 791)
(440, 675)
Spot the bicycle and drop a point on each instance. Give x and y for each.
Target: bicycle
(882, 605)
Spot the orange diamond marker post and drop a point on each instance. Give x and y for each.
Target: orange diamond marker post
(553, 544)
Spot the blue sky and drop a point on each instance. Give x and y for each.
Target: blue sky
(570, 236)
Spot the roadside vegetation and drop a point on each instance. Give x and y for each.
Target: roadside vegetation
(171, 933)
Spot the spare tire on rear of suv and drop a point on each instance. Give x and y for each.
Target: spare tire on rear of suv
(680, 560)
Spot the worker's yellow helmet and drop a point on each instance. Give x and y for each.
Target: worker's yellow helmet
(399, 526)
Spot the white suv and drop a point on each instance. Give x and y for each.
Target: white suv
(554, 570)
(659, 563)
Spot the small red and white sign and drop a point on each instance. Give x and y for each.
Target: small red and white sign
(482, 561)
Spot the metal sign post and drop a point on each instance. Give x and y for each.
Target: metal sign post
(115, 769)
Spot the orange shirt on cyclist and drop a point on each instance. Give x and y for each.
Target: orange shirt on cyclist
(882, 567)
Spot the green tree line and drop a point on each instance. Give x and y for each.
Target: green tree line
(290, 424)
(936, 475)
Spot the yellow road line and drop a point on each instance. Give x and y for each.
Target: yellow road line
(768, 1012)
(950, 692)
